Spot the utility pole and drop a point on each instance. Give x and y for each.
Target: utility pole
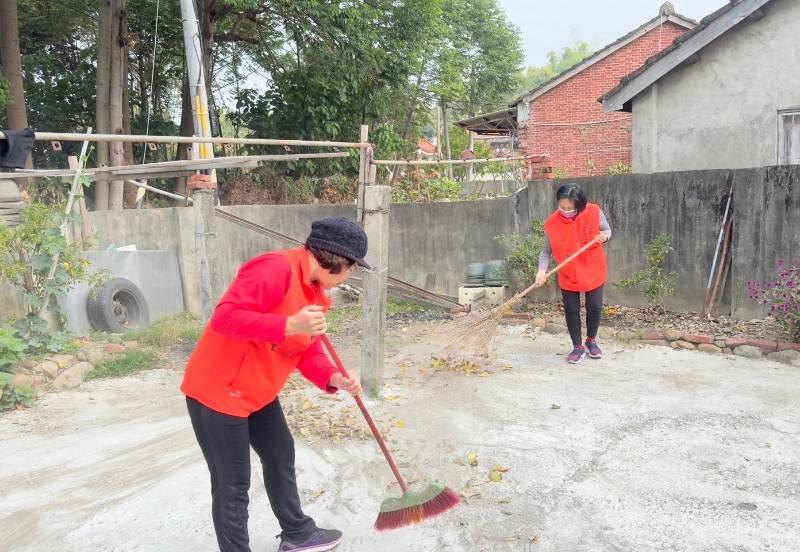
(202, 188)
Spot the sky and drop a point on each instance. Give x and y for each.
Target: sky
(551, 25)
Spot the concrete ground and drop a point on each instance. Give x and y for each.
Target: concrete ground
(647, 450)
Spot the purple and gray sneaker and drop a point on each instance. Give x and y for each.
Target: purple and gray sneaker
(576, 355)
(592, 349)
(320, 540)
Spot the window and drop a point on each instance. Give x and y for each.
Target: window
(789, 137)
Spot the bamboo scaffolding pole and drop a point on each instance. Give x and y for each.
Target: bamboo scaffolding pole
(143, 138)
(244, 161)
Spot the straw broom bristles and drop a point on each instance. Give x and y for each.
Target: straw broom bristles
(478, 328)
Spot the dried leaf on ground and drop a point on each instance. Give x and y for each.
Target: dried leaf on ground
(495, 476)
(472, 459)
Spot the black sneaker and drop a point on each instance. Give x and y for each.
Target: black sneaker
(577, 354)
(320, 540)
(593, 349)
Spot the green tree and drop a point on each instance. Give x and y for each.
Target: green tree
(557, 63)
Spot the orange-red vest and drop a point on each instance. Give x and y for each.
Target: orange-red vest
(588, 271)
(238, 377)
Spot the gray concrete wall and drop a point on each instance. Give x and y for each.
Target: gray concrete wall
(722, 111)
(767, 223)
(431, 244)
(173, 229)
(689, 207)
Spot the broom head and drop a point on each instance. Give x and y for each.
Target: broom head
(413, 508)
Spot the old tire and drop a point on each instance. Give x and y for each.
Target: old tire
(117, 306)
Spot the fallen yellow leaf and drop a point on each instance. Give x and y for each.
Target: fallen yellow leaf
(472, 458)
(495, 476)
(400, 424)
(501, 469)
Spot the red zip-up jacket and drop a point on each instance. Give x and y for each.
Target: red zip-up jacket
(243, 358)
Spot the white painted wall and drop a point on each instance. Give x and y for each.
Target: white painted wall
(722, 111)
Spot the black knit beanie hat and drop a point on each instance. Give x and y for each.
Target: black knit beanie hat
(340, 236)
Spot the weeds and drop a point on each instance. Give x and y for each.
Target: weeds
(183, 329)
(125, 364)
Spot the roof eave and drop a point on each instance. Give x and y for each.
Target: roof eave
(601, 55)
(640, 80)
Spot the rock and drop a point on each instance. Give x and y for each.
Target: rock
(734, 342)
(748, 351)
(785, 357)
(674, 345)
(698, 339)
(628, 335)
(29, 363)
(720, 343)
(765, 345)
(65, 361)
(19, 381)
(135, 344)
(655, 342)
(673, 335)
(94, 356)
(711, 349)
(727, 350)
(72, 377)
(113, 348)
(538, 322)
(47, 368)
(746, 506)
(784, 347)
(40, 382)
(685, 345)
(554, 328)
(653, 335)
(82, 356)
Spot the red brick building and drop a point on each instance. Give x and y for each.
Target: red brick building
(563, 117)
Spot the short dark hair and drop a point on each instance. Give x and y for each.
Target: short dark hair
(333, 263)
(575, 193)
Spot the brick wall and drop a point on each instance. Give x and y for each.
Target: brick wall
(568, 122)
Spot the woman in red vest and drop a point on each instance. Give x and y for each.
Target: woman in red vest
(575, 223)
(261, 330)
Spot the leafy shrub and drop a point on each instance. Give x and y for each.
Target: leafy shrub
(656, 284)
(782, 294)
(523, 252)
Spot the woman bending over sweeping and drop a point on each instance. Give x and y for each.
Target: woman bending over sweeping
(261, 330)
(572, 225)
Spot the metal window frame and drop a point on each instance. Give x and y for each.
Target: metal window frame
(779, 144)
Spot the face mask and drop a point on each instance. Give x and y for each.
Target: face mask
(568, 214)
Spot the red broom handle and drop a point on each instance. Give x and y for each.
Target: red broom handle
(374, 428)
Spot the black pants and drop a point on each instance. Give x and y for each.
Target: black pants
(225, 441)
(572, 311)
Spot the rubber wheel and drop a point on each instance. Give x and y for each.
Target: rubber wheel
(117, 306)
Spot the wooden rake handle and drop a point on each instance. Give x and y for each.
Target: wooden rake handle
(561, 265)
(372, 426)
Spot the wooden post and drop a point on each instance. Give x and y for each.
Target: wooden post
(376, 225)
(202, 188)
(470, 170)
(446, 124)
(363, 175)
